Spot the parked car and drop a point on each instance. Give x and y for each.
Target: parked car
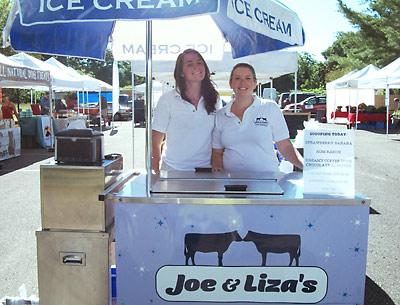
(311, 104)
(287, 98)
(282, 98)
(125, 109)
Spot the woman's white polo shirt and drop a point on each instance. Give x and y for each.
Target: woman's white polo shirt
(188, 131)
(249, 144)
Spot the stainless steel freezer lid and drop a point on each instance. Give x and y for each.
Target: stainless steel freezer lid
(217, 186)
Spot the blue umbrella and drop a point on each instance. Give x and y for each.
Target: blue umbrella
(82, 28)
(250, 27)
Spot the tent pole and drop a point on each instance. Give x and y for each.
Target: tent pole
(77, 101)
(387, 102)
(148, 117)
(100, 109)
(133, 115)
(295, 92)
(356, 109)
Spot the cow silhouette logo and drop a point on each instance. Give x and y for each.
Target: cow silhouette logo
(261, 121)
(213, 242)
(265, 243)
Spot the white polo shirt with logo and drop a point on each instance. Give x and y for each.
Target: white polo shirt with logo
(249, 144)
(188, 131)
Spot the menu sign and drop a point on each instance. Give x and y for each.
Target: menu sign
(329, 162)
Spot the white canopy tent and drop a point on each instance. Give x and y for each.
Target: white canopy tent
(89, 83)
(344, 92)
(388, 76)
(16, 75)
(201, 34)
(59, 80)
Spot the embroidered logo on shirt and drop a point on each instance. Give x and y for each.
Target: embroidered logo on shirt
(261, 121)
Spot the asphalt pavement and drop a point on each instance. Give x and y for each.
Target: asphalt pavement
(377, 176)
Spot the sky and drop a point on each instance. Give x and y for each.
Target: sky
(321, 21)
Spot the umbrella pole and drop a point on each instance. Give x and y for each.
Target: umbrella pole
(148, 103)
(133, 115)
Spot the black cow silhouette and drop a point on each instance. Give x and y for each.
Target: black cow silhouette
(275, 244)
(213, 242)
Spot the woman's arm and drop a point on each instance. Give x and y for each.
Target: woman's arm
(216, 159)
(290, 153)
(157, 139)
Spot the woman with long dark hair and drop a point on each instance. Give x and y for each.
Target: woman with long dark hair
(184, 117)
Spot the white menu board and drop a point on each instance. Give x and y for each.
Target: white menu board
(329, 162)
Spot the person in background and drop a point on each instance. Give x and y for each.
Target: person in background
(396, 104)
(8, 109)
(247, 128)
(184, 117)
(60, 105)
(104, 111)
(45, 104)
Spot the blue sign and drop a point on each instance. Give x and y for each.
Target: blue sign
(53, 11)
(297, 254)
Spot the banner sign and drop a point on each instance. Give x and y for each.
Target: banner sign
(52, 11)
(179, 254)
(24, 74)
(329, 162)
(270, 18)
(46, 135)
(10, 142)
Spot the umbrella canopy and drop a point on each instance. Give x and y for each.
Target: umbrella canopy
(257, 27)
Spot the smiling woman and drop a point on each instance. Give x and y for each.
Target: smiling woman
(184, 117)
(247, 128)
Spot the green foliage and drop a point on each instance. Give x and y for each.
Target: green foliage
(375, 41)
(311, 73)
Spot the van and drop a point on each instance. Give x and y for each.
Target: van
(301, 96)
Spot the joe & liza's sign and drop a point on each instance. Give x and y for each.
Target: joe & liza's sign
(171, 254)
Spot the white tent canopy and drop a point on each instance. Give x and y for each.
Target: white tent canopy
(344, 92)
(59, 80)
(201, 34)
(388, 76)
(269, 65)
(89, 83)
(16, 75)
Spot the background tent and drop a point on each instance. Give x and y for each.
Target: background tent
(388, 76)
(16, 75)
(59, 80)
(88, 83)
(344, 92)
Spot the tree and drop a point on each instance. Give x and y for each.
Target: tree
(311, 74)
(375, 41)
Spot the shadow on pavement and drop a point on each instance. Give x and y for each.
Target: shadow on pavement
(375, 295)
(27, 157)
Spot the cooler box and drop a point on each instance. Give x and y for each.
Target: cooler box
(69, 195)
(73, 268)
(79, 147)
